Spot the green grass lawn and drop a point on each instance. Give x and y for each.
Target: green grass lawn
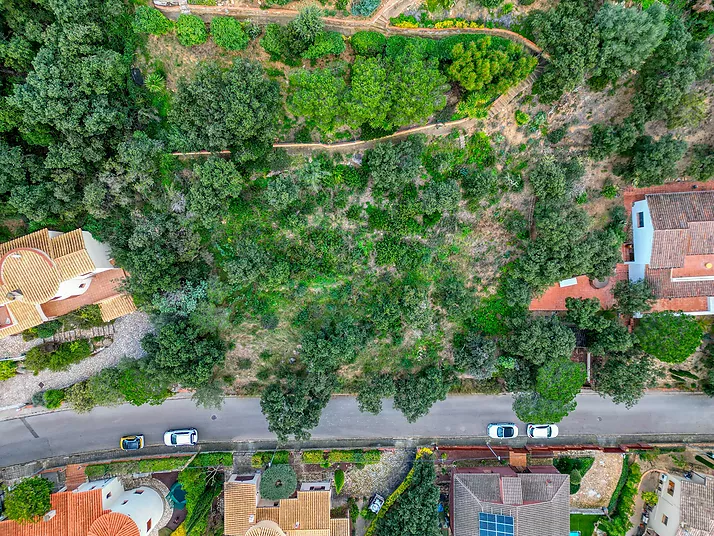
(585, 524)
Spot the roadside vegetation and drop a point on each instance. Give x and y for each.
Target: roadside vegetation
(405, 271)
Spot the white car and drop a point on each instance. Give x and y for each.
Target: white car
(502, 430)
(542, 431)
(180, 438)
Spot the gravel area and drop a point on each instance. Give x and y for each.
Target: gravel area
(382, 477)
(599, 482)
(128, 332)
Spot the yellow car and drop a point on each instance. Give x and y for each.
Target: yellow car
(132, 442)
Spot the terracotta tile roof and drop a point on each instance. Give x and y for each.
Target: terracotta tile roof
(67, 243)
(75, 264)
(697, 507)
(113, 524)
(75, 514)
(687, 305)
(239, 499)
(32, 272)
(306, 515)
(116, 306)
(663, 286)
(683, 225)
(25, 315)
(38, 240)
(553, 299)
(340, 527)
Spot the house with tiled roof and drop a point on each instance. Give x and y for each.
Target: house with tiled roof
(673, 249)
(306, 514)
(102, 508)
(685, 506)
(497, 501)
(47, 274)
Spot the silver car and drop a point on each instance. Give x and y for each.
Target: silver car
(181, 438)
(502, 430)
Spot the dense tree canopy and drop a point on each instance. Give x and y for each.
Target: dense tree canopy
(624, 377)
(669, 337)
(540, 339)
(29, 500)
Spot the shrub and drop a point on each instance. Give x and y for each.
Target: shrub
(43, 331)
(228, 33)
(61, 358)
(522, 118)
(278, 482)
(313, 457)
(669, 337)
(191, 30)
(364, 8)
(650, 497)
(339, 481)
(490, 3)
(609, 191)
(575, 477)
(326, 43)
(261, 459)
(89, 316)
(704, 461)
(367, 43)
(29, 500)
(150, 20)
(53, 398)
(8, 369)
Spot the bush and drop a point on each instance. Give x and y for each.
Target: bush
(191, 30)
(53, 398)
(228, 33)
(61, 358)
(704, 461)
(575, 478)
(150, 20)
(8, 369)
(278, 482)
(313, 457)
(367, 43)
(669, 337)
(261, 459)
(625, 493)
(43, 331)
(29, 500)
(490, 3)
(522, 118)
(364, 8)
(326, 43)
(339, 481)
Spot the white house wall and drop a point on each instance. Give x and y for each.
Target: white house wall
(98, 252)
(667, 505)
(143, 505)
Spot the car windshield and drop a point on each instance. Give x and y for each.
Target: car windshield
(505, 431)
(175, 439)
(131, 444)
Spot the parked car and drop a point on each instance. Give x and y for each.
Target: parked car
(502, 430)
(376, 503)
(132, 442)
(542, 431)
(182, 437)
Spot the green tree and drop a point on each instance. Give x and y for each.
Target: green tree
(182, 353)
(440, 196)
(650, 497)
(560, 379)
(318, 96)
(414, 394)
(416, 87)
(475, 355)
(415, 511)
(532, 407)
(228, 33)
(233, 109)
(701, 166)
(654, 162)
(367, 101)
(633, 297)
(548, 178)
(150, 20)
(392, 166)
(628, 35)
(668, 336)
(624, 377)
(29, 500)
(368, 43)
(293, 405)
(540, 339)
(138, 386)
(326, 44)
(567, 33)
(191, 30)
(215, 183)
(278, 482)
(371, 392)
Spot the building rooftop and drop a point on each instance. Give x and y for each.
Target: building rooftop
(538, 504)
(76, 514)
(308, 514)
(697, 508)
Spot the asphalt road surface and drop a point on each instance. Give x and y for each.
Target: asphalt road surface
(658, 415)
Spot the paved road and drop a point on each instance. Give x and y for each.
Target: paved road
(595, 420)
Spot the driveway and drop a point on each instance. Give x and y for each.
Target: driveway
(658, 417)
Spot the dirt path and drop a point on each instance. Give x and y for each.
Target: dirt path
(599, 482)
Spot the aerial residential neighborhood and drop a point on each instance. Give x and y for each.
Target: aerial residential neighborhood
(357, 268)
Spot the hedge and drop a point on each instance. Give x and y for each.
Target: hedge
(151, 465)
(619, 523)
(397, 492)
(263, 458)
(318, 457)
(704, 461)
(213, 459)
(620, 484)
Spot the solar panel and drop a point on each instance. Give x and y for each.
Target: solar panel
(495, 525)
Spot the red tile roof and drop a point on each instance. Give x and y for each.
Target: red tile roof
(663, 286)
(687, 305)
(77, 514)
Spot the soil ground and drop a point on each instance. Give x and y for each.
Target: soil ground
(599, 482)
